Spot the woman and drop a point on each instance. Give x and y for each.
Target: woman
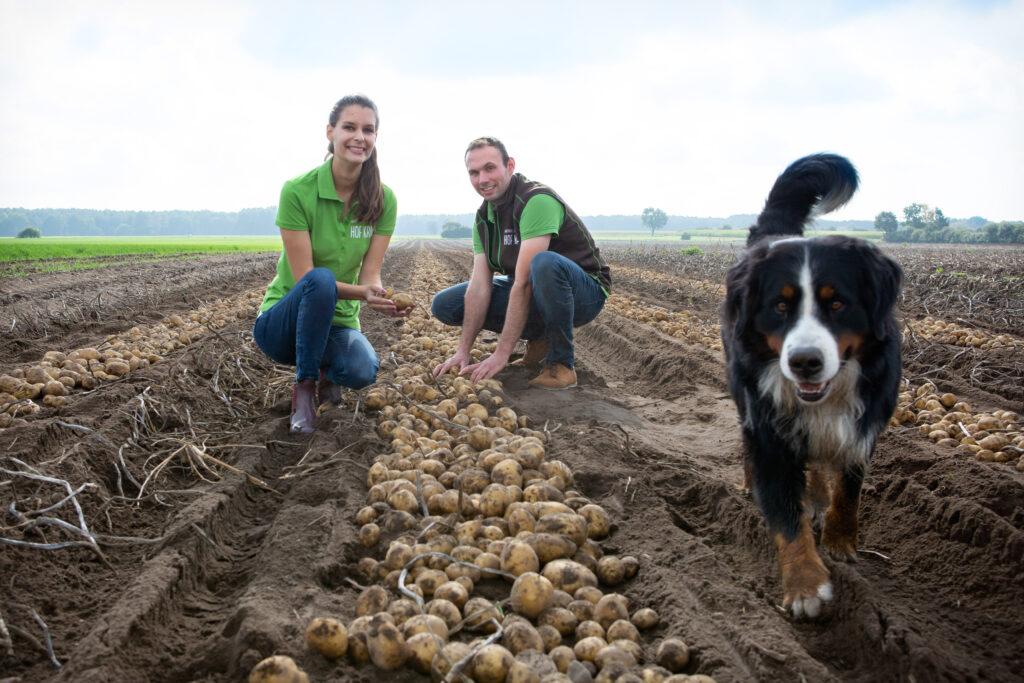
(336, 222)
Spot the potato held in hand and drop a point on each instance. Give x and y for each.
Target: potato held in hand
(402, 301)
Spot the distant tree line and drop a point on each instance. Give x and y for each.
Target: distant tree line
(454, 229)
(89, 222)
(923, 224)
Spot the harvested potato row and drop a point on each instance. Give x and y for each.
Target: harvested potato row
(58, 374)
(679, 324)
(468, 493)
(950, 333)
(706, 288)
(949, 422)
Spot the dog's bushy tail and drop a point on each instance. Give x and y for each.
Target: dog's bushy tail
(816, 184)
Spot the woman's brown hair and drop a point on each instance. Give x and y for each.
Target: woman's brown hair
(369, 193)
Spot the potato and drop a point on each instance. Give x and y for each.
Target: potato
(518, 558)
(507, 472)
(449, 655)
(521, 635)
(589, 629)
(423, 623)
(673, 654)
(452, 591)
(631, 565)
(610, 570)
(369, 534)
(402, 610)
(622, 630)
(491, 664)
(478, 613)
(494, 499)
(591, 594)
(610, 609)
(563, 620)
(530, 594)
(598, 523)
(446, 610)
(429, 580)
(550, 547)
(472, 480)
(328, 637)
(629, 646)
(398, 555)
(422, 649)
(373, 599)
(402, 301)
(540, 492)
(563, 656)
(277, 669)
(521, 672)
(645, 618)
(612, 653)
(386, 644)
(568, 575)
(550, 636)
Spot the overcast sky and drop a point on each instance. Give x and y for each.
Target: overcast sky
(691, 106)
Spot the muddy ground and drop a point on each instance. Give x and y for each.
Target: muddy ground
(238, 561)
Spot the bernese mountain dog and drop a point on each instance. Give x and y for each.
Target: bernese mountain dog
(813, 354)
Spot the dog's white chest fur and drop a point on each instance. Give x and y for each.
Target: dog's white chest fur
(829, 428)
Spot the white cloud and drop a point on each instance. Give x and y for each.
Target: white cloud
(687, 106)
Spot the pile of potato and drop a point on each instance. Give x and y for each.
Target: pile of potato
(957, 335)
(992, 437)
(467, 505)
(679, 324)
(58, 374)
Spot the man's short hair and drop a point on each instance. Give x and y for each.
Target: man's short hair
(489, 142)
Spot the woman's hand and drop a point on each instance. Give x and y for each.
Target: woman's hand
(374, 296)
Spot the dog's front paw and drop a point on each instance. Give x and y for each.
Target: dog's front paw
(808, 605)
(806, 584)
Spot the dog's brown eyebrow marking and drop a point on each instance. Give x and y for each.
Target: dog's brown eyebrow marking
(827, 292)
(788, 291)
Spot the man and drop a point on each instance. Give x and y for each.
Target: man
(550, 275)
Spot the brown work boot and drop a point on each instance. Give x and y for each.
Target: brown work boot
(536, 352)
(555, 376)
(303, 408)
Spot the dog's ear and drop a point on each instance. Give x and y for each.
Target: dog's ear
(884, 277)
(739, 291)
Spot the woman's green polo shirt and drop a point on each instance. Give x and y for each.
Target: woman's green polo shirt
(310, 202)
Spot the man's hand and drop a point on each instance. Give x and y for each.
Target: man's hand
(487, 368)
(458, 361)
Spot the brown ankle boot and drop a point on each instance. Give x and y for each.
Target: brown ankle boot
(303, 407)
(555, 376)
(536, 352)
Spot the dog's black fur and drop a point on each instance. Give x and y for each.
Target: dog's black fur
(813, 354)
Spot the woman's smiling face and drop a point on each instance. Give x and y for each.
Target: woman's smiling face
(355, 133)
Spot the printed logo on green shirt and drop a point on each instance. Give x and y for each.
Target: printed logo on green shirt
(361, 231)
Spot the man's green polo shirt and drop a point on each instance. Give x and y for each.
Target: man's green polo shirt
(310, 202)
(542, 215)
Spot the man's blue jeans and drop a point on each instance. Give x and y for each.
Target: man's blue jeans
(297, 331)
(563, 297)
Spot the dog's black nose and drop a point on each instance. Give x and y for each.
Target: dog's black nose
(806, 361)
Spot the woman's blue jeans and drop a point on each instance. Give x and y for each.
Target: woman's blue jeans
(563, 296)
(297, 331)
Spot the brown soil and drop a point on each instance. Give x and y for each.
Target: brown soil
(242, 563)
